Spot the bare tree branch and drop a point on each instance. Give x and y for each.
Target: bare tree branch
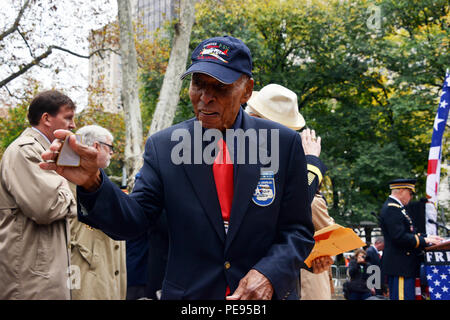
(26, 42)
(99, 51)
(25, 67)
(11, 94)
(15, 25)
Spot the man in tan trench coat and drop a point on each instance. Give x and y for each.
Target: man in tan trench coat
(100, 259)
(34, 208)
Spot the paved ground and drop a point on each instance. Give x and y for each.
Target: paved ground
(338, 294)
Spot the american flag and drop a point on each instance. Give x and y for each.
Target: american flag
(434, 157)
(438, 277)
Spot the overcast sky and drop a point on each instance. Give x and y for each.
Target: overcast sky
(65, 23)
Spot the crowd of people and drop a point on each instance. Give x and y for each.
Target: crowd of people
(228, 229)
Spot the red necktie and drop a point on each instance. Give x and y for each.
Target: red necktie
(223, 177)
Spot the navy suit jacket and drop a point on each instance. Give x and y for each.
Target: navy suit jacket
(203, 260)
(373, 256)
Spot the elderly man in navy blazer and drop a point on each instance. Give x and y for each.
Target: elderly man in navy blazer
(234, 189)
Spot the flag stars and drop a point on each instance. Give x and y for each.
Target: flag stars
(438, 282)
(436, 122)
(443, 104)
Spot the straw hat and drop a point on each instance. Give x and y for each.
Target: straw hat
(278, 104)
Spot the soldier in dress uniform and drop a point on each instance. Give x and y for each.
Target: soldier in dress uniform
(401, 261)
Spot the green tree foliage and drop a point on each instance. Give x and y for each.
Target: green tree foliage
(15, 121)
(12, 125)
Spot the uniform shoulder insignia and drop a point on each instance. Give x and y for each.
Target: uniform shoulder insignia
(88, 227)
(314, 170)
(22, 141)
(394, 205)
(311, 177)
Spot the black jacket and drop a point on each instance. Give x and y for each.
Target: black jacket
(358, 276)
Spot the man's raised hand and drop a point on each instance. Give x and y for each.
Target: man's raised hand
(87, 175)
(311, 144)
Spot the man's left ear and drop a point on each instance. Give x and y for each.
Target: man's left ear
(96, 145)
(248, 90)
(45, 119)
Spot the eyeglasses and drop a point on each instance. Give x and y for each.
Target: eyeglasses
(108, 145)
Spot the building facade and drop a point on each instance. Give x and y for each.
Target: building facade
(152, 14)
(104, 71)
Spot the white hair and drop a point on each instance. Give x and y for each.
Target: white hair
(92, 133)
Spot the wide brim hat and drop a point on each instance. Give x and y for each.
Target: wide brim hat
(278, 104)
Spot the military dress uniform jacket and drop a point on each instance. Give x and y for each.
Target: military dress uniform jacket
(273, 238)
(401, 242)
(34, 232)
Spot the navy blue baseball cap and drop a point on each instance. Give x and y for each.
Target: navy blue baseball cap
(223, 58)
